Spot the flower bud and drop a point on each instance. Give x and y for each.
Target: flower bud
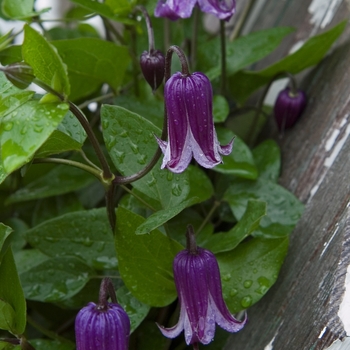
(152, 66)
(288, 108)
(19, 74)
(103, 326)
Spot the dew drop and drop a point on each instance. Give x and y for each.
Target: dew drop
(134, 148)
(226, 277)
(246, 301)
(247, 283)
(100, 246)
(87, 242)
(8, 126)
(233, 292)
(38, 128)
(124, 134)
(169, 176)
(152, 181)
(63, 106)
(176, 190)
(120, 156)
(141, 159)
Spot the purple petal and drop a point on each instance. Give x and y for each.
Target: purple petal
(223, 316)
(174, 331)
(191, 285)
(174, 9)
(102, 329)
(226, 150)
(223, 9)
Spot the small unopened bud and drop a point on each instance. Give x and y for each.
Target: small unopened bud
(152, 66)
(288, 108)
(19, 74)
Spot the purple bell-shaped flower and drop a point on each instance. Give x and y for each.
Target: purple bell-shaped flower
(175, 9)
(198, 285)
(102, 326)
(188, 100)
(288, 108)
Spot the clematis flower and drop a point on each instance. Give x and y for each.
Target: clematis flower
(175, 9)
(102, 326)
(288, 108)
(198, 284)
(188, 100)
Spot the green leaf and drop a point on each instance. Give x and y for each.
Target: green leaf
(283, 208)
(136, 310)
(240, 162)
(244, 83)
(225, 241)
(58, 142)
(71, 127)
(23, 131)
(7, 316)
(5, 231)
(200, 184)
(145, 261)
(55, 279)
(250, 270)
(81, 30)
(56, 182)
(241, 52)
(92, 62)
(11, 292)
(28, 258)
(220, 108)
(18, 9)
(11, 97)
(267, 156)
(18, 227)
(48, 65)
(103, 10)
(162, 216)
(11, 54)
(131, 144)
(8, 346)
(45, 344)
(69, 235)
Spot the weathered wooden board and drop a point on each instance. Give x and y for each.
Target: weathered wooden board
(302, 310)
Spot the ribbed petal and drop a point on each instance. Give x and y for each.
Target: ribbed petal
(102, 329)
(174, 331)
(190, 281)
(223, 316)
(174, 9)
(223, 9)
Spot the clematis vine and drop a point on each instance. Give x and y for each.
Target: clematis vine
(175, 9)
(188, 101)
(198, 284)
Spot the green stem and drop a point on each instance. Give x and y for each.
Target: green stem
(89, 169)
(135, 62)
(48, 333)
(111, 28)
(223, 57)
(96, 99)
(107, 174)
(241, 21)
(211, 212)
(110, 205)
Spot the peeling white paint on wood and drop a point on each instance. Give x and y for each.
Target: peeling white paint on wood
(344, 308)
(340, 345)
(269, 346)
(323, 11)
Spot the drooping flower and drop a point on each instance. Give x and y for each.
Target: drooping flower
(288, 108)
(198, 284)
(152, 66)
(102, 326)
(188, 100)
(175, 9)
